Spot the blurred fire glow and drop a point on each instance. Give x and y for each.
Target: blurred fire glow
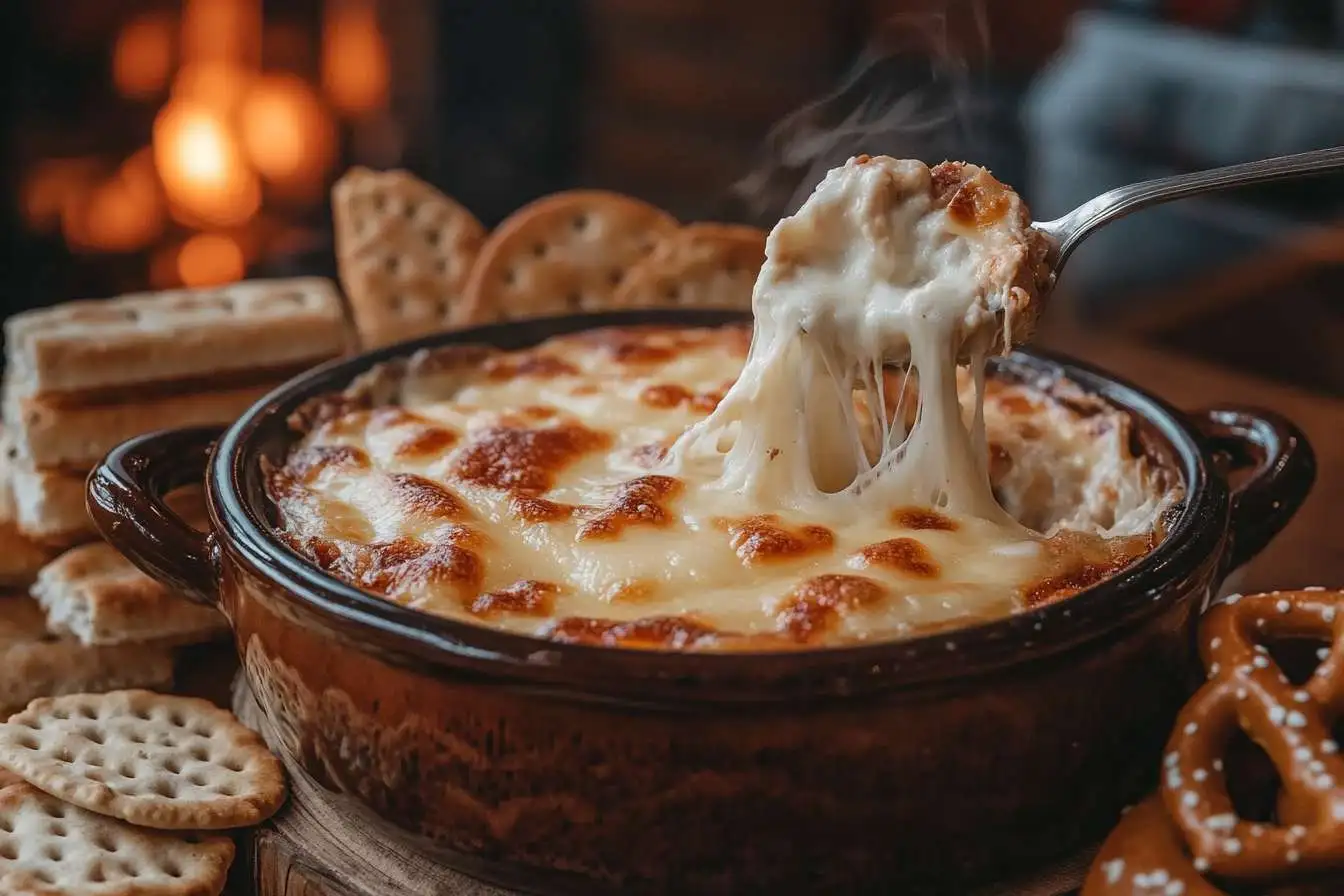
(286, 130)
(210, 258)
(142, 59)
(225, 126)
(202, 168)
(354, 57)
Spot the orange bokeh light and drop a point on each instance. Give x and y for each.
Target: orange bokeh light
(354, 57)
(207, 259)
(51, 186)
(202, 168)
(227, 31)
(286, 131)
(142, 58)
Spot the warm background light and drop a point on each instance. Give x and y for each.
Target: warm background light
(227, 31)
(354, 57)
(220, 86)
(52, 185)
(210, 258)
(119, 215)
(286, 131)
(203, 171)
(142, 59)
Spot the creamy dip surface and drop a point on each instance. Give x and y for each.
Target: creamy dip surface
(827, 477)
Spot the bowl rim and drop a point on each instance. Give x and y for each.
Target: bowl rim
(1186, 557)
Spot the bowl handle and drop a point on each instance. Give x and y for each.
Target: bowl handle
(1270, 467)
(125, 499)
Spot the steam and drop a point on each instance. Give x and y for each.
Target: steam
(910, 94)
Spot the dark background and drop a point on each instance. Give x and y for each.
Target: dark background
(714, 109)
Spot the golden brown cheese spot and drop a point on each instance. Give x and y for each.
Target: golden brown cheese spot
(1081, 560)
(813, 606)
(528, 364)
(419, 439)
(638, 502)
(630, 591)
(526, 598)
(506, 457)
(403, 566)
(426, 498)
(759, 539)
(533, 509)
(924, 518)
(309, 461)
(670, 395)
(904, 555)
(973, 200)
(671, 632)
(538, 412)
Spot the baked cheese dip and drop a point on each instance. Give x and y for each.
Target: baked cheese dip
(827, 476)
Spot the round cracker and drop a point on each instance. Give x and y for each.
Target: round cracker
(404, 252)
(566, 252)
(699, 266)
(49, 848)
(159, 761)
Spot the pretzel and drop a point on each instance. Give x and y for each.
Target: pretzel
(1292, 725)
(1201, 834)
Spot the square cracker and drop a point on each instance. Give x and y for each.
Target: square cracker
(51, 434)
(20, 556)
(96, 595)
(94, 346)
(35, 663)
(403, 250)
(49, 506)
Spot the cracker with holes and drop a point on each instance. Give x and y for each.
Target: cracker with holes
(567, 252)
(699, 266)
(50, 849)
(172, 763)
(403, 250)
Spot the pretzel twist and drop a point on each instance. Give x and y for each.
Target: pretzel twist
(1247, 690)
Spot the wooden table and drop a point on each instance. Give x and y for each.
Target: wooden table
(1309, 552)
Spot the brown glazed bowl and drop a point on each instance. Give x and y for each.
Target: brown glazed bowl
(914, 766)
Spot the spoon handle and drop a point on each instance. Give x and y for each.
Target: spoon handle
(1071, 229)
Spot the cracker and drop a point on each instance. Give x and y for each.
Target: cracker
(261, 329)
(699, 266)
(20, 556)
(567, 252)
(50, 849)
(49, 507)
(172, 763)
(35, 663)
(50, 434)
(96, 595)
(404, 251)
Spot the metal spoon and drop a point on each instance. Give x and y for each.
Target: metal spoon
(1071, 229)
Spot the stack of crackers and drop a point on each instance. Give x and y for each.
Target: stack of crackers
(412, 261)
(81, 378)
(128, 793)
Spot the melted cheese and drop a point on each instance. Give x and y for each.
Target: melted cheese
(527, 491)
(887, 262)
(693, 489)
